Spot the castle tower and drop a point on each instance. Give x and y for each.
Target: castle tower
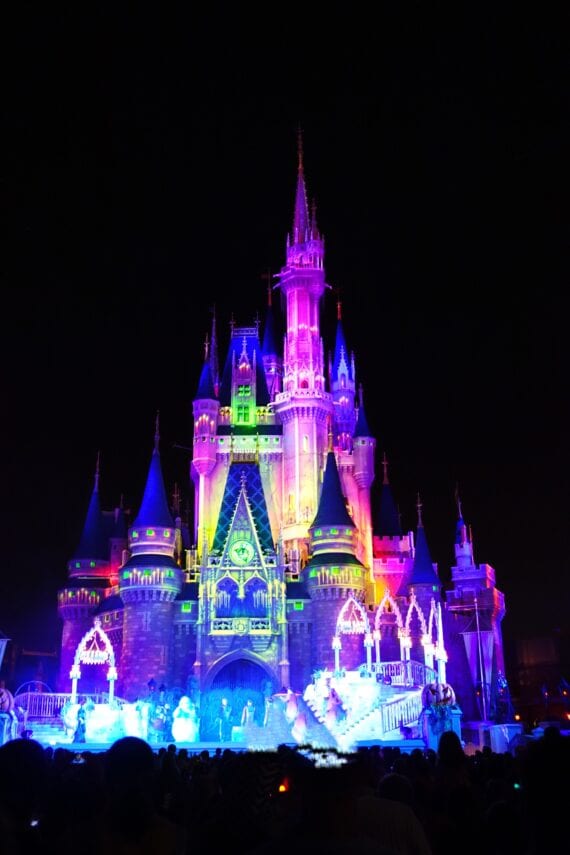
(205, 408)
(304, 405)
(272, 361)
(149, 583)
(333, 572)
(476, 608)
(88, 573)
(363, 450)
(393, 550)
(343, 389)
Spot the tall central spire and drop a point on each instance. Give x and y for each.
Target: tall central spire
(301, 216)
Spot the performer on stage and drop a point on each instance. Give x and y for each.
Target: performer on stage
(224, 721)
(185, 721)
(248, 713)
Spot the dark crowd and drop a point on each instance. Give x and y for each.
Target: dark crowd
(131, 799)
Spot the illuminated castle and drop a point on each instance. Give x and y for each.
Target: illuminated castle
(294, 565)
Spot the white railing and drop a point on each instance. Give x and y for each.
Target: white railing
(39, 705)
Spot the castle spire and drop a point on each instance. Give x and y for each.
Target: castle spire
(154, 510)
(388, 520)
(92, 545)
(214, 363)
(332, 506)
(206, 388)
(423, 572)
(461, 534)
(301, 216)
(157, 432)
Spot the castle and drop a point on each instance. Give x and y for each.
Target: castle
(296, 562)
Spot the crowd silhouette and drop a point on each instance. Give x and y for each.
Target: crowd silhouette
(133, 799)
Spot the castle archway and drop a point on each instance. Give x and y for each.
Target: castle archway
(237, 678)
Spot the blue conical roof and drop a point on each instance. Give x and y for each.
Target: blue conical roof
(340, 350)
(388, 520)
(206, 384)
(92, 545)
(332, 507)
(154, 510)
(422, 570)
(361, 428)
(269, 346)
(461, 535)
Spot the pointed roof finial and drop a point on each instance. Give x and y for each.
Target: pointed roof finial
(458, 502)
(419, 507)
(176, 500)
(97, 471)
(338, 308)
(385, 467)
(157, 431)
(206, 347)
(300, 147)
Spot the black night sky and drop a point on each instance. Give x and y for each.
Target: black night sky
(149, 172)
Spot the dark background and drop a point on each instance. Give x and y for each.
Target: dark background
(149, 171)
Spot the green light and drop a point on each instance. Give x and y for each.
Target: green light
(147, 572)
(298, 606)
(167, 532)
(318, 532)
(92, 564)
(150, 532)
(333, 530)
(78, 563)
(186, 607)
(134, 535)
(126, 575)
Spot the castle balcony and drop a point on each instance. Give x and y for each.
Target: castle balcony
(75, 602)
(241, 626)
(293, 397)
(165, 581)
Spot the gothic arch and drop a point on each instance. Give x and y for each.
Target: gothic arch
(415, 606)
(346, 625)
(95, 648)
(234, 656)
(388, 598)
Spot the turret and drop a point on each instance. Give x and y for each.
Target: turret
(88, 573)
(333, 571)
(363, 451)
(206, 408)
(304, 406)
(343, 389)
(272, 361)
(392, 549)
(149, 583)
(423, 579)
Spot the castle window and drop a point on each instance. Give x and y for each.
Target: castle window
(166, 532)
(298, 606)
(186, 607)
(150, 532)
(134, 535)
(242, 413)
(244, 391)
(305, 443)
(92, 564)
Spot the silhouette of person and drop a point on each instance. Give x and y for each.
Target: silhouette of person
(224, 721)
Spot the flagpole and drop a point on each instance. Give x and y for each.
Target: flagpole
(481, 665)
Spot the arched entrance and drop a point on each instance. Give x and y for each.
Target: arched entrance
(238, 680)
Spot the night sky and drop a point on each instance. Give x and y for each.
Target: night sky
(149, 173)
